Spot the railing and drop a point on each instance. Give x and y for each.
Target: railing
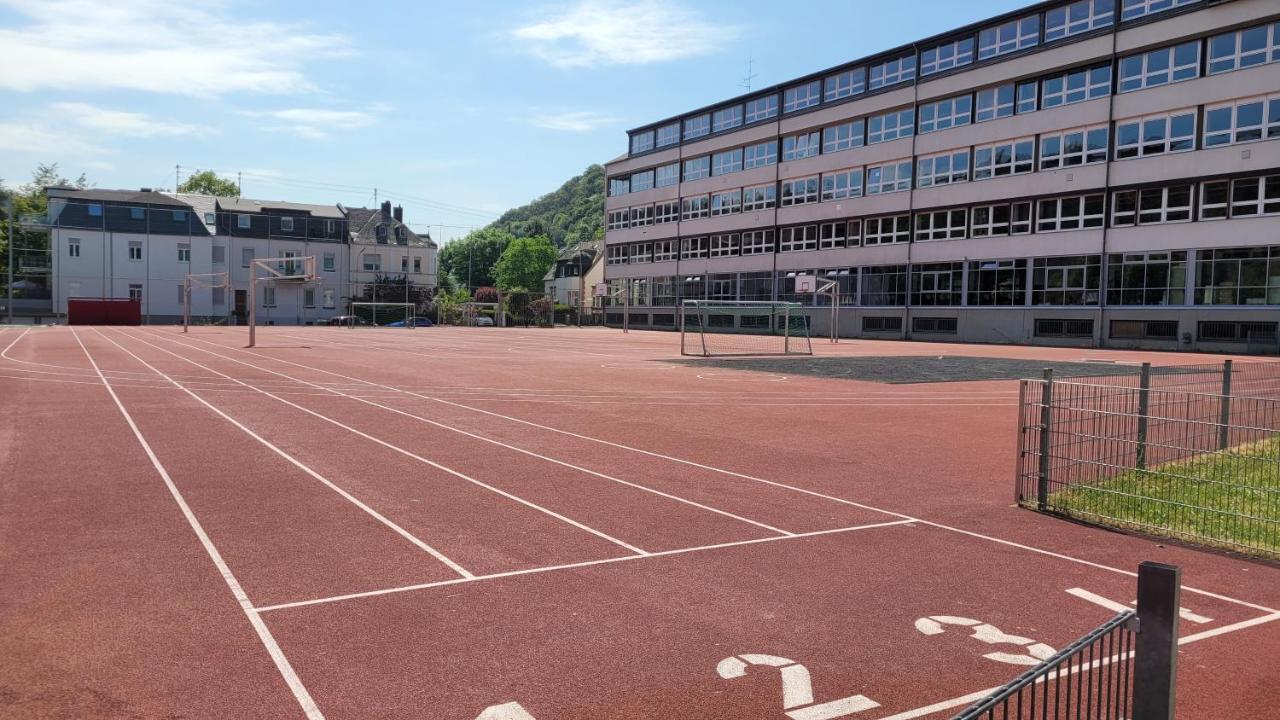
(1202, 467)
(1123, 669)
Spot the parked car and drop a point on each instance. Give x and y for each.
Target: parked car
(417, 322)
(484, 321)
(346, 320)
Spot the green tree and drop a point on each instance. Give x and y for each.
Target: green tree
(207, 182)
(30, 200)
(525, 262)
(571, 213)
(470, 259)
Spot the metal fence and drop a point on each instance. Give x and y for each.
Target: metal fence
(1125, 668)
(1157, 453)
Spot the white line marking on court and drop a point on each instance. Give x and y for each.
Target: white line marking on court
(572, 566)
(400, 450)
(499, 443)
(286, 670)
(298, 464)
(731, 473)
(1114, 606)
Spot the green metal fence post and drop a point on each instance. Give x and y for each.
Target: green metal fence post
(1046, 425)
(1224, 421)
(1144, 398)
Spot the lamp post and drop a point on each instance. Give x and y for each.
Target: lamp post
(9, 216)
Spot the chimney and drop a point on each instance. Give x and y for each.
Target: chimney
(399, 214)
(386, 211)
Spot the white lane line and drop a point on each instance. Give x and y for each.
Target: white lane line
(402, 451)
(1114, 606)
(286, 670)
(508, 446)
(298, 464)
(571, 566)
(731, 473)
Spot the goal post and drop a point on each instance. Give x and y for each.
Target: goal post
(207, 281)
(384, 313)
(713, 328)
(286, 268)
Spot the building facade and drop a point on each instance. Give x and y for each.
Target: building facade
(143, 244)
(576, 272)
(387, 258)
(1097, 172)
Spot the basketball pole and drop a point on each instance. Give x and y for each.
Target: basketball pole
(253, 305)
(186, 304)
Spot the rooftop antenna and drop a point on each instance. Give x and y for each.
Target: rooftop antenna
(746, 81)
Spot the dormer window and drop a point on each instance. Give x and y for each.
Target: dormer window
(401, 238)
(242, 221)
(286, 224)
(381, 233)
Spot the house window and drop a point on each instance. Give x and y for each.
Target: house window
(329, 227)
(726, 203)
(994, 283)
(761, 155)
(1068, 88)
(404, 264)
(994, 102)
(137, 213)
(218, 296)
(696, 127)
(1070, 280)
(942, 225)
(642, 180)
(1153, 278)
(135, 249)
(891, 126)
(1160, 67)
(842, 184)
(619, 186)
(1008, 37)
(309, 297)
(372, 262)
(762, 108)
(184, 252)
(218, 254)
(1151, 206)
(246, 257)
(887, 230)
(1001, 220)
(761, 197)
(268, 296)
(1137, 8)
(892, 72)
(243, 221)
(1027, 93)
(95, 210)
(668, 134)
(842, 137)
(692, 208)
(663, 251)
(1078, 17)
(697, 168)
(641, 253)
(1156, 134)
(642, 216)
(1009, 158)
(729, 161)
(618, 219)
(380, 234)
(73, 247)
(798, 239)
(1244, 48)
(666, 212)
(642, 142)
(845, 84)
(944, 169)
(330, 262)
(135, 291)
(1076, 212)
(891, 177)
(800, 191)
(693, 248)
(1251, 197)
(1242, 121)
(1073, 147)
(210, 219)
(617, 255)
(831, 235)
(797, 147)
(937, 284)
(802, 96)
(945, 57)
(943, 114)
(757, 242)
(726, 118)
(1238, 276)
(667, 175)
(725, 245)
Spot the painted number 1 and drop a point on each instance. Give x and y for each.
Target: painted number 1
(797, 688)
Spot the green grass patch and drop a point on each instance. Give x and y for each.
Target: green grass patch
(1229, 499)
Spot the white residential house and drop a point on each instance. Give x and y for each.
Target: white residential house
(389, 262)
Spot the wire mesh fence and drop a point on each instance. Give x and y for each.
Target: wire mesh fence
(1148, 454)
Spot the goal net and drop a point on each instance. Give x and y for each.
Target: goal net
(216, 284)
(710, 328)
(384, 313)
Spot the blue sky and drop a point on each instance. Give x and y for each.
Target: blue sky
(456, 110)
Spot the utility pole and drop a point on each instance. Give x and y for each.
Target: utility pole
(239, 177)
(177, 171)
(9, 216)
(746, 81)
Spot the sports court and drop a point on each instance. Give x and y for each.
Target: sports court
(464, 523)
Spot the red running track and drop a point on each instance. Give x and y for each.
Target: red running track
(512, 524)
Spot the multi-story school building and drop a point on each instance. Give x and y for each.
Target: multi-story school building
(1098, 172)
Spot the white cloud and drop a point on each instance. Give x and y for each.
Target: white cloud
(154, 46)
(118, 122)
(584, 121)
(591, 33)
(34, 137)
(313, 123)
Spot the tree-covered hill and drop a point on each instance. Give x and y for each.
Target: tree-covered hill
(573, 212)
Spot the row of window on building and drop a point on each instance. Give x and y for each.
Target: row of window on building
(370, 262)
(218, 295)
(1226, 276)
(1225, 52)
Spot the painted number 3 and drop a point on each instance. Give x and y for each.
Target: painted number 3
(797, 688)
(991, 635)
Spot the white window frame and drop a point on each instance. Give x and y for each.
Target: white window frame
(845, 84)
(1069, 213)
(244, 221)
(798, 238)
(761, 108)
(1133, 9)
(1239, 58)
(1008, 37)
(184, 252)
(268, 296)
(372, 262)
(1065, 156)
(1147, 77)
(726, 161)
(999, 107)
(1091, 86)
(1077, 17)
(832, 235)
(693, 248)
(330, 262)
(946, 224)
(946, 56)
(1268, 196)
(803, 145)
(889, 177)
(1185, 142)
(286, 224)
(723, 245)
(726, 202)
(886, 230)
(668, 134)
(701, 168)
(799, 97)
(641, 180)
(726, 118)
(697, 126)
(73, 247)
(999, 167)
(135, 251)
(955, 168)
(1000, 219)
(891, 125)
(135, 291)
(799, 191)
(892, 72)
(757, 242)
(760, 155)
(845, 136)
(640, 253)
(694, 207)
(308, 297)
(666, 250)
(616, 255)
(666, 212)
(641, 216)
(842, 184)
(759, 197)
(642, 142)
(949, 112)
(1150, 206)
(666, 175)
(1233, 133)
(618, 218)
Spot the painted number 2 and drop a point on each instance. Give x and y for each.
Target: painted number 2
(991, 635)
(797, 688)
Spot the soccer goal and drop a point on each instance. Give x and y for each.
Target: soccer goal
(710, 328)
(290, 268)
(384, 313)
(201, 281)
